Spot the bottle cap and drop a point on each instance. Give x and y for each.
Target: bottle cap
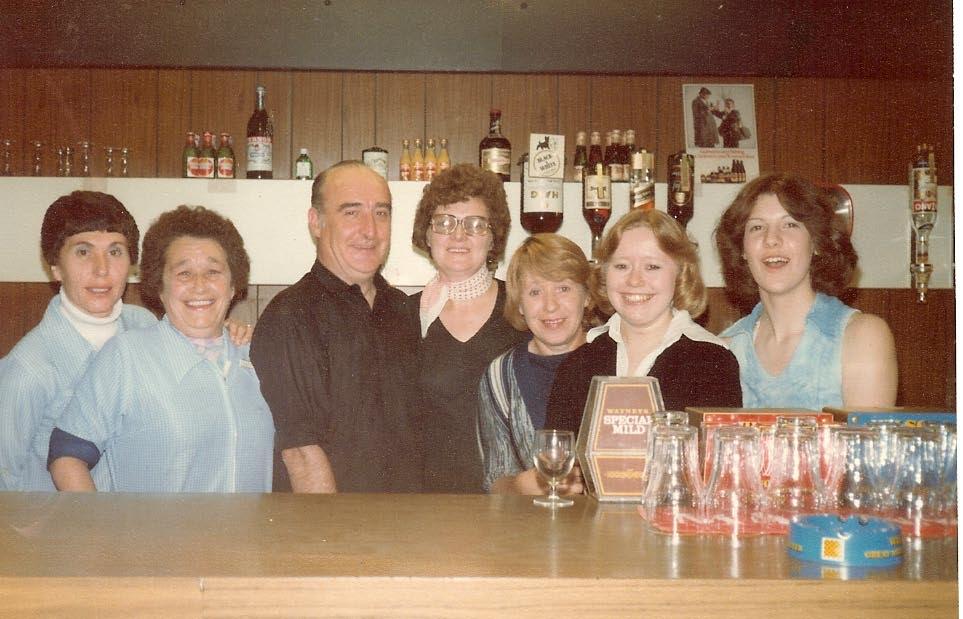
(304, 151)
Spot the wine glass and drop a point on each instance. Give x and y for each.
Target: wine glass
(554, 459)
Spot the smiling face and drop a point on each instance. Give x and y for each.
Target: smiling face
(354, 231)
(777, 248)
(92, 268)
(553, 312)
(640, 281)
(458, 255)
(197, 286)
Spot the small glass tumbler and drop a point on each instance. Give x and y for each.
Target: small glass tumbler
(108, 161)
(847, 483)
(672, 500)
(36, 163)
(6, 157)
(659, 418)
(84, 162)
(795, 486)
(735, 501)
(916, 486)
(125, 162)
(881, 457)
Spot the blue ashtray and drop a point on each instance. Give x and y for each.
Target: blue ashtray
(857, 541)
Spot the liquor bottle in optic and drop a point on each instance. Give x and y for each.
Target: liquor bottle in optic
(923, 209)
(596, 203)
(495, 151)
(680, 196)
(260, 140)
(540, 208)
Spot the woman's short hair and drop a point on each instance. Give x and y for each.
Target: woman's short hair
(834, 262)
(690, 291)
(85, 211)
(553, 257)
(458, 184)
(194, 222)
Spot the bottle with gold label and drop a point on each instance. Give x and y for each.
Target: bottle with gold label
(404, 166)
(418, 162)
(431, 160)
(444, 161)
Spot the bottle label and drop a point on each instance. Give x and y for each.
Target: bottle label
(378, 162)
(923, 190)
(194, 167)
(431, 168)
(641, 194)
(598, 192)
(542, 195)
(259, 153)
(497, 160)
(443, 164)
(419, 171)
(205, 167)
(404, 172)
(302, 170)
(225, 167)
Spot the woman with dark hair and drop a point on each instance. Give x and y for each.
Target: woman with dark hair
(648, 275)
(175, 407)
(782, 248)
(547, 296)
(89, 241)
(462, 223)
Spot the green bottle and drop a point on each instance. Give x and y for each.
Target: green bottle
(303, 168)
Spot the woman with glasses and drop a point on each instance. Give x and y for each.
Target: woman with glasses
(462, 223)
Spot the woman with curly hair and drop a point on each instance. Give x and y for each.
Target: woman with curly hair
(548, 296)
(782, 248)
(462, 223)
(174, 407)
(648, 274)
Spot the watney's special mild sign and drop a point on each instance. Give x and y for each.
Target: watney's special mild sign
(613, 435)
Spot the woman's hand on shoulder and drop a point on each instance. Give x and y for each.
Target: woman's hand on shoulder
(239, 332)
(870, 374)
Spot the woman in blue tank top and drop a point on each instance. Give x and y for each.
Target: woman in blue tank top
(781, 247)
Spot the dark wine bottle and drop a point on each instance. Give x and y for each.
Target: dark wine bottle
(260, 140)
(495, 151)
(581, 156)
(540, 207)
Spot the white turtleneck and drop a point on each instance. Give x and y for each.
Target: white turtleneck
(93, 329)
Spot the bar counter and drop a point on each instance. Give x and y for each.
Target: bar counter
(419, 556)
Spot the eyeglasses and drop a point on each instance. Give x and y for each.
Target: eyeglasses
(474, 225)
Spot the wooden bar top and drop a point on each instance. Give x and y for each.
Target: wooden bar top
(418, 555)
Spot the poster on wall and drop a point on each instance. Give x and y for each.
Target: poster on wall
(720, 131)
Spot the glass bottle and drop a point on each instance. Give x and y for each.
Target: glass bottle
(642, 181)
(431, 160)
(581, 156)
(610, 157)
(6, 159)
(260, 140)
(596, 203)
(540, 208)
(444, 161)
(206, 156)
(923, 205)
(225, 157)
(495, 151)
(36, 165)
(404, 165)
(595, 151)
(84, 157)
(303, 166)
(125, 162)
(680, 199)
(418, 162)
(189, 156)
(376, 158)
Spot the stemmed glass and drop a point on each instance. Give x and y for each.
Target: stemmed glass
(554, 459)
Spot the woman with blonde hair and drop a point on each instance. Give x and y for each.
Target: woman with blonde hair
(648, 275)
(547, 296)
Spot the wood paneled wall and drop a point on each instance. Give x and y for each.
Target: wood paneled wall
(925, 334)
(831, 130)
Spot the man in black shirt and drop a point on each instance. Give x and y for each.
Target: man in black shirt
(332, 351)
